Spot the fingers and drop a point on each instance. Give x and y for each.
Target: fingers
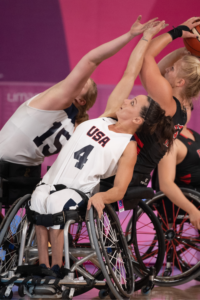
(195, 19)
(196, 224)
(195, 24)
(89, 205)
(100, 210)
(190, 35)
(99, 206)
(100, 213)
(152, 20)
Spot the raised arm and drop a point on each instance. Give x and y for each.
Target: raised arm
(166, 174)
(61, 95)
(126, 167)
(171, 58)
(125, 85)
(153, 81)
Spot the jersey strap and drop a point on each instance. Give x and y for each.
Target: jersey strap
(72, 112)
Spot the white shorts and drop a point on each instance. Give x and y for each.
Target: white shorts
(45, 203)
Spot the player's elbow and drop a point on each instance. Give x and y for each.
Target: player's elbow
(165, 186)
(120, 192)
(130, 76)
(93, 59)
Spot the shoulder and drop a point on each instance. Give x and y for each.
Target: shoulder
(131, 150)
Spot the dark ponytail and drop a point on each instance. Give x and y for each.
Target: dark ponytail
(156, 121)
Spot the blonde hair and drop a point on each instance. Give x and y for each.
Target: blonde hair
(190, 71)
(90, 98)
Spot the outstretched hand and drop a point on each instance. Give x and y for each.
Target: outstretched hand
(138, 28)
(190, 23)
(154, 27)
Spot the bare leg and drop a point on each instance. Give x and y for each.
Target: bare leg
(42, 242)
(57, 244)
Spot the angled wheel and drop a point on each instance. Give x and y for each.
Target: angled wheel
(147, 245)
(112, 252)
(80, 239)
(10, 235)
(182, 240)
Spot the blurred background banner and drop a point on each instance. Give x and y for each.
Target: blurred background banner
(42, 40)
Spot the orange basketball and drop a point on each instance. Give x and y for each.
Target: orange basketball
(193, 44)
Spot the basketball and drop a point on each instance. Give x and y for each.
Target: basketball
(193, 44)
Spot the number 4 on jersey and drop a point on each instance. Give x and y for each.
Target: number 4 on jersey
(82, 155)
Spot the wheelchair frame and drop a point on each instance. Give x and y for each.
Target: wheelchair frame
(170, 228)
(93, 254)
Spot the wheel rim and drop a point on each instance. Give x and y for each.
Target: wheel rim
(114, 253)
(11, 242)
(146, 248)
(183, 248)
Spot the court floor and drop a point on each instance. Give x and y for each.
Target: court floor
(190, 290)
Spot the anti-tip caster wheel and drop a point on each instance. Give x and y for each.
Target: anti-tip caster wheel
(2, 294)
(145, 290)
(103, 294)
(65, 294)
(167, 273)
(21, 291)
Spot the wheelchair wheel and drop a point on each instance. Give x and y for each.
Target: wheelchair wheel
(10, 235)
(10, 239)
(182, 240)
(79, 234)
(148, 246)
(112, 252)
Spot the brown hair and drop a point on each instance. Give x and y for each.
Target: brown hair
(156, 121)
(190, 71)
(90, 98)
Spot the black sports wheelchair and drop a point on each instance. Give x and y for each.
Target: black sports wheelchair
(182, 241)
(96, 252)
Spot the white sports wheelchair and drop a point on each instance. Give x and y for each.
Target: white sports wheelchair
(97, 258)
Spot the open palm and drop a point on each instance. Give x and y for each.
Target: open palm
(138, 28)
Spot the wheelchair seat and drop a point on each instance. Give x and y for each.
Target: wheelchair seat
(133, 194)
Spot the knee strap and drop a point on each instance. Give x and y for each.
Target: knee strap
(53, 219)
(49, 220)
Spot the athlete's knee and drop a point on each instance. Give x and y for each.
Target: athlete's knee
(39, 199)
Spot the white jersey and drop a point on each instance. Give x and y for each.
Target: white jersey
(31, 134)
(91, 154)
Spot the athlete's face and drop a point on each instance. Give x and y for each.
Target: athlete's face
(79, 100)
(172, 73)
(130, 109)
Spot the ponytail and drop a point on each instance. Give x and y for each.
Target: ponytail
(156, 122)
(190, 72)
(90, 98)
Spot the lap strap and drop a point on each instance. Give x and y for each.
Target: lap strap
(50, 220)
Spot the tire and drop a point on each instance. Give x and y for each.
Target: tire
(79, 234)
(10, 234)
(2, 294)
(112, 251)
(181, 239)
(145, 251)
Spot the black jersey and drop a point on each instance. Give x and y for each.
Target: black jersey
(188, 171)
(149, 150)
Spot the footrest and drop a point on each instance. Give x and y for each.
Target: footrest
(43, 281)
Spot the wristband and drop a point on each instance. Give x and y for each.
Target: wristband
(177, 31)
